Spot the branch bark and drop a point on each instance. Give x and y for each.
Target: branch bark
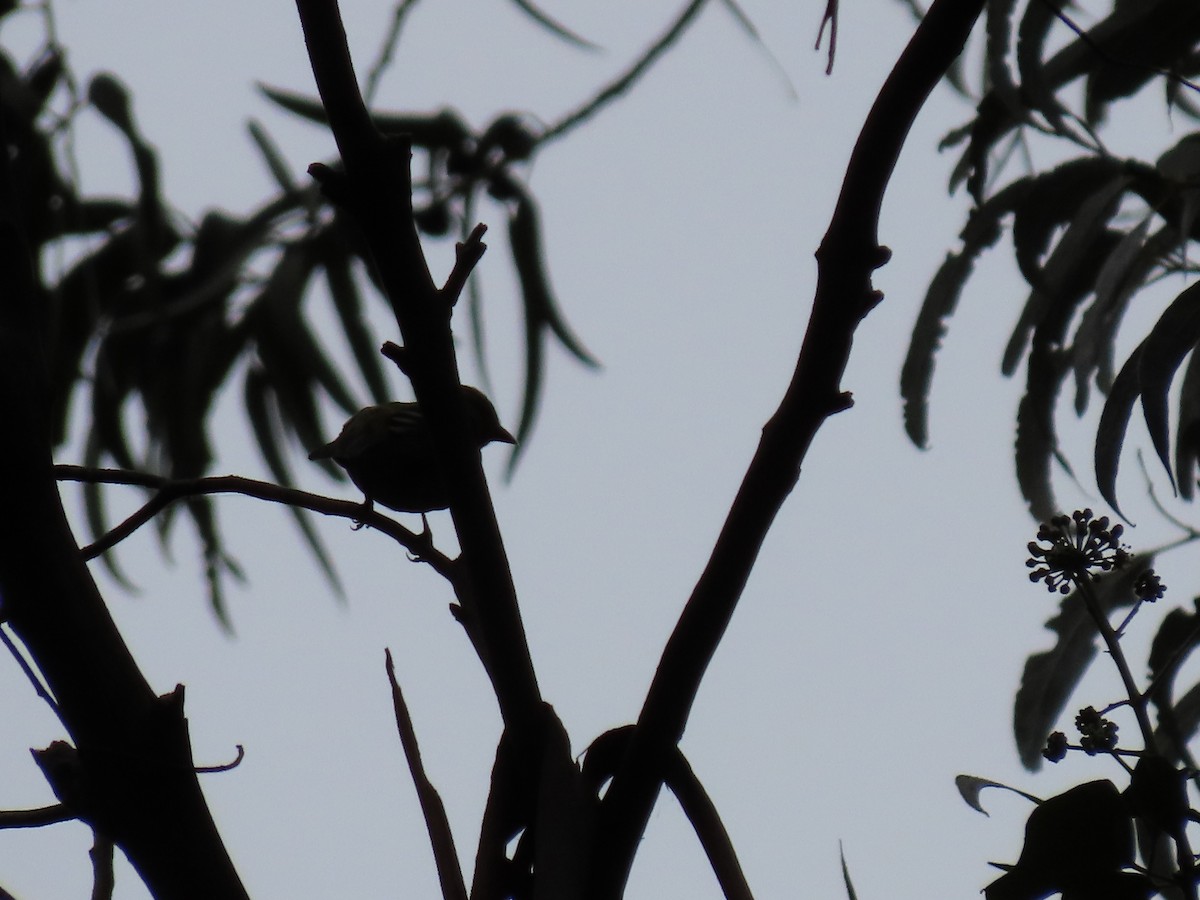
(844, 295)
(378, 192)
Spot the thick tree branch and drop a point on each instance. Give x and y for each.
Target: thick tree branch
(844, 295)
(378, 193)
(133, 757)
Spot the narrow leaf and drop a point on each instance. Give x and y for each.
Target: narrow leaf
(347, 302)
(1172, 338)
(1187, 441)
(1114, 420)
(271, 154)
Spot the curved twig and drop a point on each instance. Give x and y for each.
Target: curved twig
(169, 490)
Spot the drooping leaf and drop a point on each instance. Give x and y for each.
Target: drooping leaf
(1156, 36)
(264, 424)
(541, 312)
(983, 229)
(217, 563)
(1067, 279)
(272, 156)
(1174, 336)
(997, 52)
(1035, 446)
(1035, 90)
(347, 302)
(1123, 272)
(1114, 420)
(1187, 438)
(1050, 677)
(916, 376)
(96, 515)
(293, 359)
(1087, 209)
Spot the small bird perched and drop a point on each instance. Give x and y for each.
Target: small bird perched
(388, 452)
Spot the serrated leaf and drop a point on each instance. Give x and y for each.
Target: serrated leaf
(916, 375)
(1035, 91)
(1073, 256)
(1158, 34)
(1050, 677)
(1000, 80)
(982, 230)
(1035, 446)
(1174, 336)
(1123, 272)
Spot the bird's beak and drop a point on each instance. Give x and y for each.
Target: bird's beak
(503, 437)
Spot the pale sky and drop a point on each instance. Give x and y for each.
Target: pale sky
(881, 639)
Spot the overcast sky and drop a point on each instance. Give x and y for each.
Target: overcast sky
(880, 641)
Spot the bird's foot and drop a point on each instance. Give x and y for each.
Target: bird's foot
(422, 545)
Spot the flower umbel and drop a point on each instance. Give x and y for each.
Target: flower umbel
(1078, 546)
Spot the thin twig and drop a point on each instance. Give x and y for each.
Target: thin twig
(618, 87)
(387, 49)
(170, 490)
(36, 818)
(39, 686)
(1137, 700)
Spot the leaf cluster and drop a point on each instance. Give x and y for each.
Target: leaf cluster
(149, 316)
(1090, 232)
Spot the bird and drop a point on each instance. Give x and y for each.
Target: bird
(389, 453)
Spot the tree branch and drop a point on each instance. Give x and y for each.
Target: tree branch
(134, 755)
(844, 295)
(378, 192)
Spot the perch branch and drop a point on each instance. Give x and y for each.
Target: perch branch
(844, 295)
